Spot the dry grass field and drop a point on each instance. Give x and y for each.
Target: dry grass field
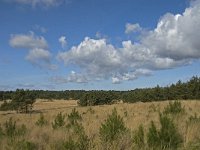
(133, 115)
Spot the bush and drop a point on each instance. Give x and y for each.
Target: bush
(21, 131)
(152, 136)
(81, 140)
(74, 117)
(59, 121)
(82, 143)
(112, 128)
(41, 121)
(174, 108)
(70, 145)
(6, 106)
(138, 137)
(25, 145)
(167, 137)
(10, 128)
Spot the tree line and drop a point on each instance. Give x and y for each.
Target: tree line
(180, 90)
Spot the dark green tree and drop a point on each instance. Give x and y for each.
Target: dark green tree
(22, 101)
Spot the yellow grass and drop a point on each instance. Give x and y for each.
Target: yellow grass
(137, 113)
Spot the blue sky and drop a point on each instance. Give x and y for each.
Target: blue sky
(98, 44)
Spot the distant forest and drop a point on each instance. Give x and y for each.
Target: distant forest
(180, 90)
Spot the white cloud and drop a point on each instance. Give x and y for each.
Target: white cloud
(174, 42)
(127, 76)
(116, 80)
(139, 56)
(28, 41)
(62, 41)
(41, 58)
(130, 28)
(38, 53)
(99, 60)
(72, 77)
(40, 3)
(95, 57)
(176, 36)
(75, 77)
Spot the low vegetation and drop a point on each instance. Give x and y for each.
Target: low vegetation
(104, 127)
(112, 128)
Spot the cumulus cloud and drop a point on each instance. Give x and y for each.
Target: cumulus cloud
(72, 77)
(27, 41)
(95, 57)
(127, 76)
(62, 41)
(177, 36)
(38, 53)
(99, 60)
(41, 58)
(130, 28)
(174, 42)
(40, 3)
(75, 77)
(116, 80)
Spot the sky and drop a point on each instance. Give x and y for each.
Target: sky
(98, 44)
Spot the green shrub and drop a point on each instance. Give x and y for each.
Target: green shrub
(10, 128)
(71, 145)
(74, 117)
(165, 138)
(80, 139)
(25, 145)
(174, 108)
(21, 131)
(41, 121)
(152, 136)
(59, 121)
(112, 127)
(83, 142)
(138, 137)
(6, 106)
(168, 134)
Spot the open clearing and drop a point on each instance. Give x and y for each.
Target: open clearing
(133, 114)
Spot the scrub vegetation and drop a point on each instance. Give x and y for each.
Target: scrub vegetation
(104, 120)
